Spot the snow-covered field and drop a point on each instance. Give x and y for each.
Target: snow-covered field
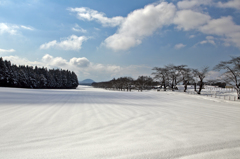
(95, 123)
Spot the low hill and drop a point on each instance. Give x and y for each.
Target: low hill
(86, 82)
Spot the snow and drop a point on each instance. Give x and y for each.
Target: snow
(96, 123)
(213, 91)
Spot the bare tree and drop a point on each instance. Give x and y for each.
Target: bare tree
(231, 75)
(129, 83)
(161, 74)
(175, 74)
(126, 82)
(143, 81)
(187, 76)
(201, 74)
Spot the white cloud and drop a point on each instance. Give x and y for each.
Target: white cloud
(77, 28)
(192, 36)
(221, 26)
(80, 62)
(83, 67)
(6, 51)
(27, 28)
(6, 28)
(188, 4)
(208, 40)
(97, 29)
(203, 42)
(224, 27)
(188, 19)
(47, 58)
(140, 24)
(71, 43)
(12, 29)
(84, 13)
(179, 46)
(212, 75)
(230, 4)
(144, 22)
(49, 45)
(51, 61)
(22, 61)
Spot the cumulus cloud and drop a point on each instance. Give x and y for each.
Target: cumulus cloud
(221, 26)
(225, 27)
(80, 62)
(188, 19)
(230, 4)
(6, 51)
(51, 61)
(12, 29)
(179, 46)
(22, 61)
(70, 43)
(140, 24)
(84, 13)
(209, 39)
(188, 4)
(77, 28)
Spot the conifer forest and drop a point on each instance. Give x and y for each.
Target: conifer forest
(28, 77)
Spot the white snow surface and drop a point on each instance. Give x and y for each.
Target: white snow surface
(90, 123)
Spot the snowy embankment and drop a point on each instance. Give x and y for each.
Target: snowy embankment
(97, 123)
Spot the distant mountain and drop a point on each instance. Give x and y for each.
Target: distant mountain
(86, 82)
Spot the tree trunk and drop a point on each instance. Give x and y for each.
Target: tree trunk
(200, 87)
(195, 87)
(164, 87)
(238, 93)
(185, 86)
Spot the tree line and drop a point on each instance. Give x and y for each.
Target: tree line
(28, 77)
(127, 83)
(170, 76)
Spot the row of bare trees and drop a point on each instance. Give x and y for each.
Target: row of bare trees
(167, 77)
(127, 83)
(170, 76)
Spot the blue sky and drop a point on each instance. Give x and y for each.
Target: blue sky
(106, 39)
